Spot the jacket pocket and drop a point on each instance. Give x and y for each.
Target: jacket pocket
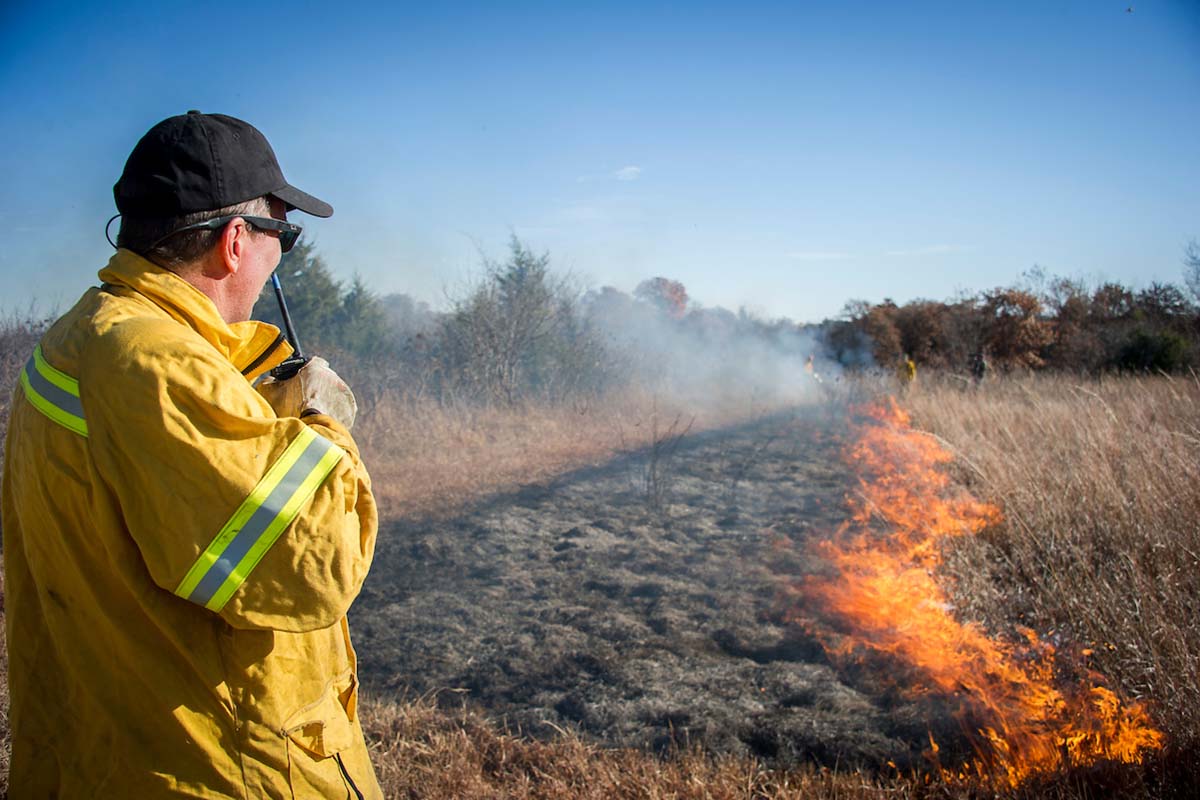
(325, 727)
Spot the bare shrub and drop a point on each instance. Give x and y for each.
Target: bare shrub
(652, 453)
(18, 336)
(520, 334)
(1191, 268)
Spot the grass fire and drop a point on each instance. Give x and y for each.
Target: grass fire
(882, 594)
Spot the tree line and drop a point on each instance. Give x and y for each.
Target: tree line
(524, 331)
(1042, 323)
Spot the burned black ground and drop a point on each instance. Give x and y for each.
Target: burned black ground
(639, 604)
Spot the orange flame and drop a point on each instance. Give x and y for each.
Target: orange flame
(886, 597)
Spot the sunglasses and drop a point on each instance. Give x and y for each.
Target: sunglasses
(288, 232)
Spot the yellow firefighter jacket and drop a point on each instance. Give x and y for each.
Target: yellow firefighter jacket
(178, 561)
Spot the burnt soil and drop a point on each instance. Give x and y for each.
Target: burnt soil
(641, 604)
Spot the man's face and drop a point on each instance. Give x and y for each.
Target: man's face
(262, 256)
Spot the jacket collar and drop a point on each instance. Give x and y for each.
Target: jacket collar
(253, 347)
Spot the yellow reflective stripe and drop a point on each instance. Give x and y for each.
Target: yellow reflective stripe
(55, 394)
(245, 511)
(326, 463)
(60, 379)
(261, 518)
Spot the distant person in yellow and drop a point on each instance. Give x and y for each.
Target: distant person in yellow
(906, 371)
(180, 549)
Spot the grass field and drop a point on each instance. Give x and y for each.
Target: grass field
(1099, 484)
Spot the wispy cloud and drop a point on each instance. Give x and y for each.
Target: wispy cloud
(629, 173)
(930, 250)
(818, 255)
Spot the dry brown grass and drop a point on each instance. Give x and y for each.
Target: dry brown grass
(1099, 481)
(17, 340)
(423, 752)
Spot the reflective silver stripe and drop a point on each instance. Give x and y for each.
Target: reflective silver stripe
(227, 562)
(47, 394)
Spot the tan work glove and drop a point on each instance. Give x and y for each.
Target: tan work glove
(316, 387)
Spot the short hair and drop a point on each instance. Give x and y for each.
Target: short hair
(139, 234)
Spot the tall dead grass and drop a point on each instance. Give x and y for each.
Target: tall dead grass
(18, 336)
(1099, 481)
(421, 751)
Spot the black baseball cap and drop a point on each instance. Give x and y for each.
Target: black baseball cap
(202, 162)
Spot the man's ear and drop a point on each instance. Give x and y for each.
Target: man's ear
(232, 246)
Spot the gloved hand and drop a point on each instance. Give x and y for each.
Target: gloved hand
(315, 387)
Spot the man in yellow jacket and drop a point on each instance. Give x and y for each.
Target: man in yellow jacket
(181, 549)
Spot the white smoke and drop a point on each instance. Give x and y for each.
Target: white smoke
(708, 355)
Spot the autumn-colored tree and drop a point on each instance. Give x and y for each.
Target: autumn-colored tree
(864, 335)
(1111, 301)
(1014, 331)
(667, 295)
(879, 324)
(1075, 344)
(919, 324)
(962, 332)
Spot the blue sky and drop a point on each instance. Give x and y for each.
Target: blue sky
(782, 156)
